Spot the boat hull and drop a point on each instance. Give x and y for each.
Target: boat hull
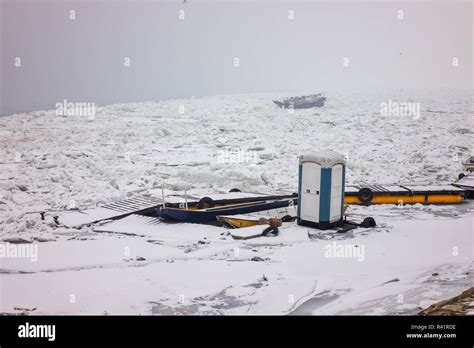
(210, 215)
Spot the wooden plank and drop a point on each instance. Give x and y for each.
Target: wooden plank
(133, 224)
(110, 211)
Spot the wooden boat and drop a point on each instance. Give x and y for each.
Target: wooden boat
(247, 220)
(209, 215)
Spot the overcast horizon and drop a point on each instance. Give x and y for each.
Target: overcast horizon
(280, 46)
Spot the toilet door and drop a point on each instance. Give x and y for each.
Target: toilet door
(310, 187)
(336, 193)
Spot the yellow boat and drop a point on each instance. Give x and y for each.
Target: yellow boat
(253, 219)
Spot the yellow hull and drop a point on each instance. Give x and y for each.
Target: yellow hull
(239, 223)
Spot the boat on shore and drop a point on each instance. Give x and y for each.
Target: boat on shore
(209, 215)
(286, 214)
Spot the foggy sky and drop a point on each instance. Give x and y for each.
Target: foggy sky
(82, 60)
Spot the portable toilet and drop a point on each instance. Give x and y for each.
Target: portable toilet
(321, 189)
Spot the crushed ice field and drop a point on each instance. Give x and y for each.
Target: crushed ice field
(417, 255)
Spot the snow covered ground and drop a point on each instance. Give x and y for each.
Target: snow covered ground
(417, 255)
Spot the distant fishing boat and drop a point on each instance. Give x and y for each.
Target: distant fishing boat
(303, 102)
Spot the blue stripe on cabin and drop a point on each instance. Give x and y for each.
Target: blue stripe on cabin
(325, 194)
(298, 214)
